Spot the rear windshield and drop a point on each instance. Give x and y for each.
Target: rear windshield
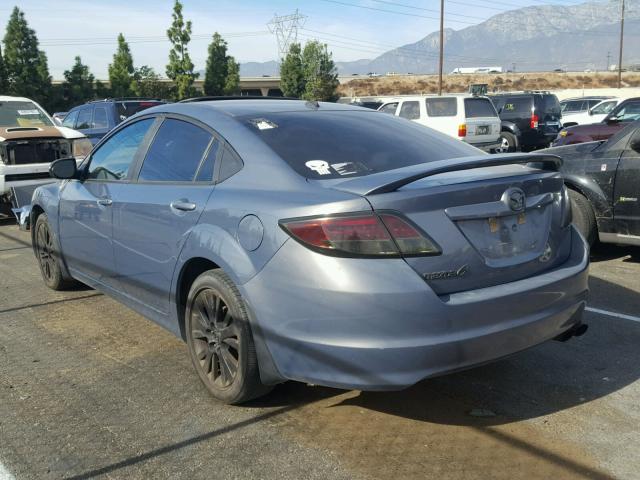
(547, 104)
(517, 105)
(23, 114)
(479, 107)
(129, 108)
(342, 144)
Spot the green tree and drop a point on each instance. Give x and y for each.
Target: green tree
(27, 73)
(321, 76)
(180, 66)
(78, 84)
(147, 83)
(217, 68)
(121, 70)
(292, 80)
(232, 84)
(102, 90)
(3, 75)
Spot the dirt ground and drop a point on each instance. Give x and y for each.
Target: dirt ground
(423, 84)
(89, 389)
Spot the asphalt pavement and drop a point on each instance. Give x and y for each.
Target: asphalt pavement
(90, 389)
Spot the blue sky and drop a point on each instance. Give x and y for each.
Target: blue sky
(67, 28)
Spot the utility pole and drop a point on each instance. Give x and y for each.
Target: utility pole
(621, 43)
(441, 47)
(608, 60)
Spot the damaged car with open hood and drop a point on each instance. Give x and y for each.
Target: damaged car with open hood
(29, 141)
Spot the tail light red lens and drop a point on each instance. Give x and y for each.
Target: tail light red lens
(534, 120)
(361, 235)
(462, 130)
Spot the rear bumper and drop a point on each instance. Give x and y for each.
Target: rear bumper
(487, 146)
(376, 325)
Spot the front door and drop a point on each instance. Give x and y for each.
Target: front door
(154, 215)
(626, 198)
(86, 206)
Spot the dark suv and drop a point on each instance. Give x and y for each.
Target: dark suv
(530, 120)
(96, 118)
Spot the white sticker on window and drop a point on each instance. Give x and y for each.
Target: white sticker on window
(28, 112)
(348, 168)
(319, 166)
(603, 167)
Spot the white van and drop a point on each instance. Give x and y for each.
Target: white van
(472, 119)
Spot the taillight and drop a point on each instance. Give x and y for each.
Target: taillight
(534, 120)
(462, 130)
(367, 235)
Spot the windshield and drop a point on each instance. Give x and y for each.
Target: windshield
(603, 108)
(340, 144)
(23, 114)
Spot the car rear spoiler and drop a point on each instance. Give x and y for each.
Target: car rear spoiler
(392, 180)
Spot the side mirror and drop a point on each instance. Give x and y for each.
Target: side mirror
(64, 169)
(635, 144)
(590, 111)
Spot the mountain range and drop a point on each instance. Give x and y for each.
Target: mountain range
(536, 38)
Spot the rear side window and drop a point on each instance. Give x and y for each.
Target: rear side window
(100, 118)
(389, 108)
(175, 153)
(410, 110)
(517, 105)
(479, 107)
(344, 144)
(84, 118)
(127, 109)
(442, 107)
(70, 120)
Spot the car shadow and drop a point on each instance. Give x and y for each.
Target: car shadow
(540, 381)
(602, 252)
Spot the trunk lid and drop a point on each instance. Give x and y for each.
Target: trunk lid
(494, 224)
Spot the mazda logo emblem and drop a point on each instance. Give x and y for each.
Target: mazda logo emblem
(515, 199)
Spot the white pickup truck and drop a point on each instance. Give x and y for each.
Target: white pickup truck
(29, 142)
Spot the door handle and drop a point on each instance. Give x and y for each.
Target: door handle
(105, 202)
(183, 206)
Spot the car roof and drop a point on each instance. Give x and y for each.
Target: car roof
(7, 98)
(587, 97)
(237, 108)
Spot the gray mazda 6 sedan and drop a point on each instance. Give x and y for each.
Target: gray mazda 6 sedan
(317, 242)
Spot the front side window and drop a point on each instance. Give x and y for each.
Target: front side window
(70, 120)
(389, 108)
(175, 153)
(22, 114)
(628, 112)
(603, 108)
(410, 110)
(114, 158)
(442, 107)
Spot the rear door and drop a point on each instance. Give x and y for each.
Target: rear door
(153, 216)
(547, 108)
(482, 121)
(627, 190)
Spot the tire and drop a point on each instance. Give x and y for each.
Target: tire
(220, 341)
(583, 217)
(509, 143)
(48, 256)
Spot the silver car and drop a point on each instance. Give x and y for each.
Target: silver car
(324, 243)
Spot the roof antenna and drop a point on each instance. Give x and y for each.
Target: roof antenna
(312, 104)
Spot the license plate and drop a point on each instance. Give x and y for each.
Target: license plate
(483, 130)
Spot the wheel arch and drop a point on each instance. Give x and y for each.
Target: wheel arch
(599, 202)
